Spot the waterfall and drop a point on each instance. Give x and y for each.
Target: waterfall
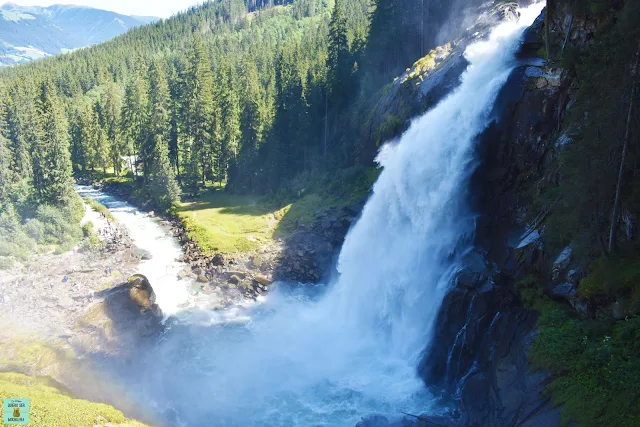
(306, 360)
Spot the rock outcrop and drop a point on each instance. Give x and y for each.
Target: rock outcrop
(123, 316)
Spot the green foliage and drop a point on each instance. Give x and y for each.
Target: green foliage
(88, 229)
(51, 228)
(595, 365)
(530, 290)
(91, 239)
(100, 208)
(583, 187)
(614, 276)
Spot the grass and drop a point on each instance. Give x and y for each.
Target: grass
(50, 407)
(227, 223)
(221, 222)
(100, 208)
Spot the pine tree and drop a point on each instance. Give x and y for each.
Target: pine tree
(112, 109)
(134, 117)
(21, 135)
(339, 60)
(164, 188)
(5, 175)
(232, 132)
(199, 108)
(57, 179)
(87, 134)
(159, 116)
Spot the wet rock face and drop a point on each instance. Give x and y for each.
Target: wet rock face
(480, 356)
(482, 335)
(125, 315)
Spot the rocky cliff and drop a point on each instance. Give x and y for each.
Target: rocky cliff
(480, 359)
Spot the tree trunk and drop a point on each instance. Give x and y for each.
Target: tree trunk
(625, 146)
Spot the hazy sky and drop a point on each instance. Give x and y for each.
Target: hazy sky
(160, 8)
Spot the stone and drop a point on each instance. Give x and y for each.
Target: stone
(256, 261)
(125, 314)
(141, 292)
(234, 280)
(262, 280)
(574, 275)
(218, 260)
(563, 141)
(564, 290)
(202, 278)
(562, 262)
(144, 254)
(533, 72)
(581, 306)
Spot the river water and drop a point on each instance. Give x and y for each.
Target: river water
(330, 358)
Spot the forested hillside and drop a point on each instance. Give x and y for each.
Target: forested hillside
(245, 94)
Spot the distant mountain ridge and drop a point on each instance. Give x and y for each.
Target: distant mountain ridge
(34, 32)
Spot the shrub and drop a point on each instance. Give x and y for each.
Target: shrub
(88, 229)
(595, 363)
(58, 230)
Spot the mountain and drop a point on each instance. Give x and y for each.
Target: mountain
(28, 33)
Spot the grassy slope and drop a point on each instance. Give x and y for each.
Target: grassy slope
(226, 223)
(221, 222)
(51, 408)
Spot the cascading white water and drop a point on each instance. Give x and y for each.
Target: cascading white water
(161, 269)
(328, 360)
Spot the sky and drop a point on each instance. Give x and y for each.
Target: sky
(159, 8)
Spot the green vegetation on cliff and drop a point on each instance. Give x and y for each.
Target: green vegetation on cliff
(588, 199)
(595, 365)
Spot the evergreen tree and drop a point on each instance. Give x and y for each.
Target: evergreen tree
(159, 115)
(164, 189)
(21, 135)
(56, 180)
(199, 108)
(112, 109)
(230, 110)
(87, 134)
(5, 176)
(134, 118)
(339, 60)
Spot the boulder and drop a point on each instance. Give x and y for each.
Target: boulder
(262, 280)
(202, 278)
(564, 290)
(256, 261)
(144, 254)
(562, 262)
(122, 317)
(234, 280)
(217, 260)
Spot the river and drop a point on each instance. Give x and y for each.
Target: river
(296, 359)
